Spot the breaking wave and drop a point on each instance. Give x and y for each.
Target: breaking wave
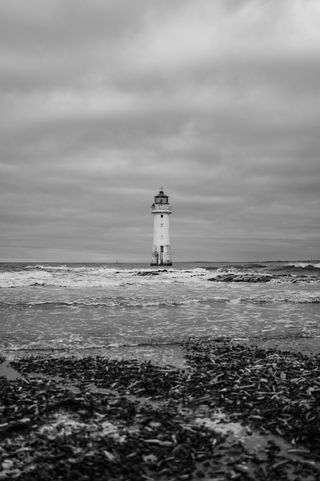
(39, 276)
(100, 303)
(293, 299)
(304, 265)
(178, 302)
(297, 267)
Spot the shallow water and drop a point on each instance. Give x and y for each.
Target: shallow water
(81, 307)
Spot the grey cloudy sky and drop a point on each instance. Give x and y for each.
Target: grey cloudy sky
(102, 102)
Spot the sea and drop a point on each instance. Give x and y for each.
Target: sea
(80, 309)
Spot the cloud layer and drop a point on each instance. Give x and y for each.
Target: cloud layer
(103, 102)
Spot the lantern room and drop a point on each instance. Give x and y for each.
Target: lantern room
(161, 198)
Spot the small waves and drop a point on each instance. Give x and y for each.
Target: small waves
(125, 303)
(305, 265)
(60, 267)
(275, 299)
(85, 306)
(258, 277)
(102, 346)
(120, 302)
(291, 272)
(298, 267)
(289, 299)
(238, 266)
(80, 276)
(106, 277)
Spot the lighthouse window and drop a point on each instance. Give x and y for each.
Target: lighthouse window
(161, 216)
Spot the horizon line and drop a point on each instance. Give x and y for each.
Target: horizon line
(148, 263)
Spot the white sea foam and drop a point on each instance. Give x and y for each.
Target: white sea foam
(112, 302)
(235, 301)
(100, 276)
(103, 276)
(24, 278)
(304, 264)
(60, 267)
(53, 276)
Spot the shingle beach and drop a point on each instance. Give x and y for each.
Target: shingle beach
(235, 412)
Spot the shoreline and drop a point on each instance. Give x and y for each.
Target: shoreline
(235, 412)
(168, 352)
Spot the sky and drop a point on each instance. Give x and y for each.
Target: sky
(103, 102)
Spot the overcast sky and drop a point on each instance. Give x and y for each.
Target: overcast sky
(102, 102)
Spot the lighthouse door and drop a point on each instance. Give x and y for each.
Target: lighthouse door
(161, 255)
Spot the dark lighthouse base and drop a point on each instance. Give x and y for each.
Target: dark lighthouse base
(161, 256)
(163, 264)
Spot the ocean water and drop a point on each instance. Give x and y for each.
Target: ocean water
(81, 308)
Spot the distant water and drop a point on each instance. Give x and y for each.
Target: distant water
(74, 308)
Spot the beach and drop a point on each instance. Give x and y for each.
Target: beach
(236, 412)
(197, 372)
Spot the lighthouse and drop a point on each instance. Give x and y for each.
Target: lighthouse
(161, 251)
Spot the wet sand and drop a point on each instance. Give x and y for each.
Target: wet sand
(231, 410)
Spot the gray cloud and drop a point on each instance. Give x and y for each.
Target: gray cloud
(103, 102)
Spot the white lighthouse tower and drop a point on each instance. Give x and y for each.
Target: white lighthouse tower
(161, 209)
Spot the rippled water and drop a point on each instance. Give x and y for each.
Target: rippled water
(84, 306)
